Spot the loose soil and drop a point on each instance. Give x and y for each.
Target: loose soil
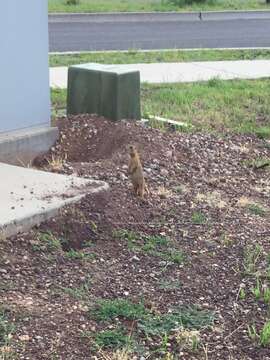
(187, 174)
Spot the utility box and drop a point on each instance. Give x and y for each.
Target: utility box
(105, 90)
(25, 130)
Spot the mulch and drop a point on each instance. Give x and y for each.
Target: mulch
(186, 173)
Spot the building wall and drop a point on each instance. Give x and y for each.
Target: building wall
(24, 73)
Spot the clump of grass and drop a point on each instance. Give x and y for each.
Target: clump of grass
(265, 335)
(79, 293)
(168, 285)
(183, 317)
(46, 242)
(257, 290)
(78, 255)
(263, 132)
(108, 310)
(252, 255)
(119, 354)
(114, 339)
(155, 245)
(188, 339)
(56, 163)
(198, 218)
(257, 210)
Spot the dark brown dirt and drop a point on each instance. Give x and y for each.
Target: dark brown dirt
(186, 173)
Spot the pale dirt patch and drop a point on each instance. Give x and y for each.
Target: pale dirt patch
(213, 199)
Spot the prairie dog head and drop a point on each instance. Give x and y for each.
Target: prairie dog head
(132, 150)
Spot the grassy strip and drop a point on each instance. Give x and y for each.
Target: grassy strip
(152, 5)
(135, 57)
(239, 105)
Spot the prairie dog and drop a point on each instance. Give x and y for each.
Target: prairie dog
(135, 171)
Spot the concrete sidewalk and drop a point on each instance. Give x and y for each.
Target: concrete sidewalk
(29, 196)
(184, 72)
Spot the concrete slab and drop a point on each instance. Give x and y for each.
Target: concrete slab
(184, 72)
(21, 147)
(29, 196)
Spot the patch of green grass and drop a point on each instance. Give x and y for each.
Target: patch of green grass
(257, 163)
(263, 132)
(78, 255)
(183, 317)
(153, 242)
(256, 291)
(152, 5)
(240, 106)
(265, 335)
(138, 57)
(46, 242)
(113, 339)
(198, 218)
(257, 210)
(108, 310)
(155, 245)
(170, 255)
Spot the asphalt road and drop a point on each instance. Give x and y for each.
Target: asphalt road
(158, 31)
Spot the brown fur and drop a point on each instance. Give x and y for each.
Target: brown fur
(135, 171)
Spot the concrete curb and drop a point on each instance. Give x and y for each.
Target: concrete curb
(24, 224)
(22, 146)
(159, 16)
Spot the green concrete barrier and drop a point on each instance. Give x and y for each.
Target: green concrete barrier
(106, 90)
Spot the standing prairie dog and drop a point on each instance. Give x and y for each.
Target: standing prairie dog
(135, 171)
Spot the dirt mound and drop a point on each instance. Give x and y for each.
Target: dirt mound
(88, 138)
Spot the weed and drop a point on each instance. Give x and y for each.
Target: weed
(265, 335)
(130, 236)
(153, 242)
(198, 218)
(120, 354)
(188, 339)
(110, 309)
(78, 255)
(169, 285)
(252, 332)
(183, 317)
(80, 293)
(252, 255)
(256, 210)
(242, 294)
(257, 290)
(112, 339)
(56, 163)
(266, 295)
(258, 163)
(155, 245)
(172, 255)
(46, 242)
